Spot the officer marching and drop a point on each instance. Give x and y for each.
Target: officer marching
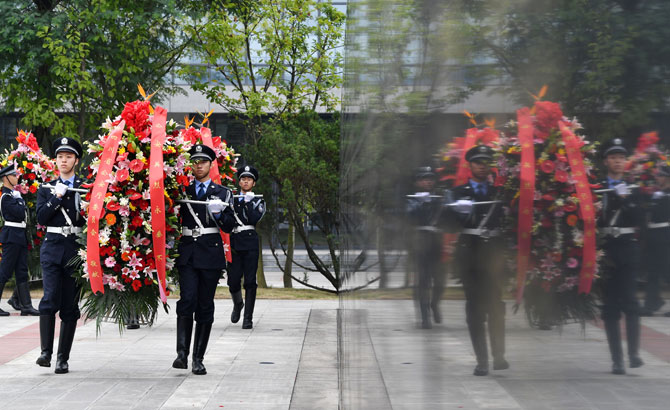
(618, 224)
(14, 243)
(59, 210)
(479, 259)
(424, 211)
(201, 258)
(657, 241)
(249, 209)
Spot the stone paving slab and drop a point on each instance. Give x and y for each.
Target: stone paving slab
(293, 359)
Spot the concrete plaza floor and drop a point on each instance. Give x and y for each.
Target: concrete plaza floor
(290, 361)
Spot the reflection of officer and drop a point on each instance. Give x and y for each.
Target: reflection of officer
(59, 210)
(244, 242)
(201, 258)
(657, 241)
(14, 244)
(424, 212)
(479, 259)
(617, 225)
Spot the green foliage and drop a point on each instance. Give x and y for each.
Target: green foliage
(268, 56)
(595, 56)
(300, 153)
(69, 64)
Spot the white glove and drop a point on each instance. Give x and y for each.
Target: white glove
(16, 194)
(61, 188)
(622, 189)
(658, 194)
(249, 196)
(422, 196)
(216, 206)
(463, 206)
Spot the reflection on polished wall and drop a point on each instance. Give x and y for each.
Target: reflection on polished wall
(411, 70)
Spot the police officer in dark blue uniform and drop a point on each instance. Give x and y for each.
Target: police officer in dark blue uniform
(618, 225)
(657, 241)
(14, 243)
(249, 209)
(479, 259)
(60, 211)
(424, 211)
(201, 258)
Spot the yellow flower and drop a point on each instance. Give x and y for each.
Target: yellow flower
(561, 151)
(132, 207)
(25, 163)
(122, 150)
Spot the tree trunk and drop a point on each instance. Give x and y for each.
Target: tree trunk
(288, 265)
(260, 273)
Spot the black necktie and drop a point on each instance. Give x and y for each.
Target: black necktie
(67, 182)
(201, 191)
(479, 191)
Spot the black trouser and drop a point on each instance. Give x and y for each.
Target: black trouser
(620, 277)
(245, 263)
(14, 260)
(658, 265)
(480, 263)
(427, 252)
(61, 293)
(196, 293)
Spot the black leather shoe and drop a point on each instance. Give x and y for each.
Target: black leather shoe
(47, 327)
(247, 323)
(61, 366)
(238, 304)
(3, 313)
(618, 368)
(184, 331)
(481, 370)
(437, 316)
(14, 300)
(65, 339)
(501, 364)
(635, 362)
(202, 332)
(25, 304)
(197, 367)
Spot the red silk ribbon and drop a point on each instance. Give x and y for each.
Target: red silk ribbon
(586, 205)
(527, 193)
(156, 193)
(96, 207)
(216, 177)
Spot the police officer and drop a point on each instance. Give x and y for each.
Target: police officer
(657, 241)
(201, 258)
(479, 259)
(249, 210)
(618, 224)
(14, 243)
(424, 210)
(59, 210)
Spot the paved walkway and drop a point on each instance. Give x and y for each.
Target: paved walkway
(290, 361)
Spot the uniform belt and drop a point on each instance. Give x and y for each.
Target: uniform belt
(65, 230)
(15, 224)
(241, 228)
(651, 225)
(616, 231)
(195, 232)
(484, 233)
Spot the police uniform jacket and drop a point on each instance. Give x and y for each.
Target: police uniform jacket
(659, 213)
(460, 222)
(12, 210)
(619, 212)
(247, 214)
(49, 209)
(424, 214)
(205, 251)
